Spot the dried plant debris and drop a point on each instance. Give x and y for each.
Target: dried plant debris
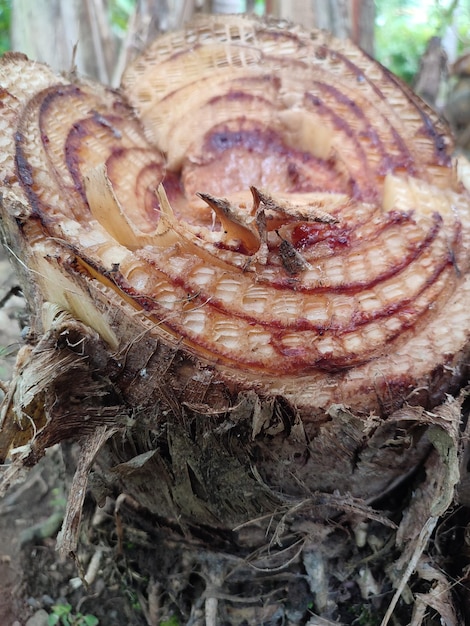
(248, 274)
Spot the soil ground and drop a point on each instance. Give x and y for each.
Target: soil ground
(34, 579)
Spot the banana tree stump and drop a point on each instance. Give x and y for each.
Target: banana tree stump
(247, 271)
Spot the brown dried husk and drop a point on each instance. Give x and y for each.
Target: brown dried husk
(231, 467)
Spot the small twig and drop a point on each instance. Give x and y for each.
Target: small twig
(421, 543)
(13, 291)
(186, 12)
(97, 41)
(279, 568)
(123, 56)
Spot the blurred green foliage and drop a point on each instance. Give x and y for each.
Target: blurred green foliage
(172, 621)
(399, 44)
(404, 27)
(5, 17)
(119, 14)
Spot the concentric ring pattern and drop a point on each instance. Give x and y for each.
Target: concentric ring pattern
(273, 200)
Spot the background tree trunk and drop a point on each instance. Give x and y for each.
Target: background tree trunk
(78, 33)
(353, 19)
(293, 10)
(70, 33)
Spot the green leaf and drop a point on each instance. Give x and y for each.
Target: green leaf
(91, 620)
(173, 621)
(62, 609)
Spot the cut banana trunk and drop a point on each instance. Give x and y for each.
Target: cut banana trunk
(271, 206)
